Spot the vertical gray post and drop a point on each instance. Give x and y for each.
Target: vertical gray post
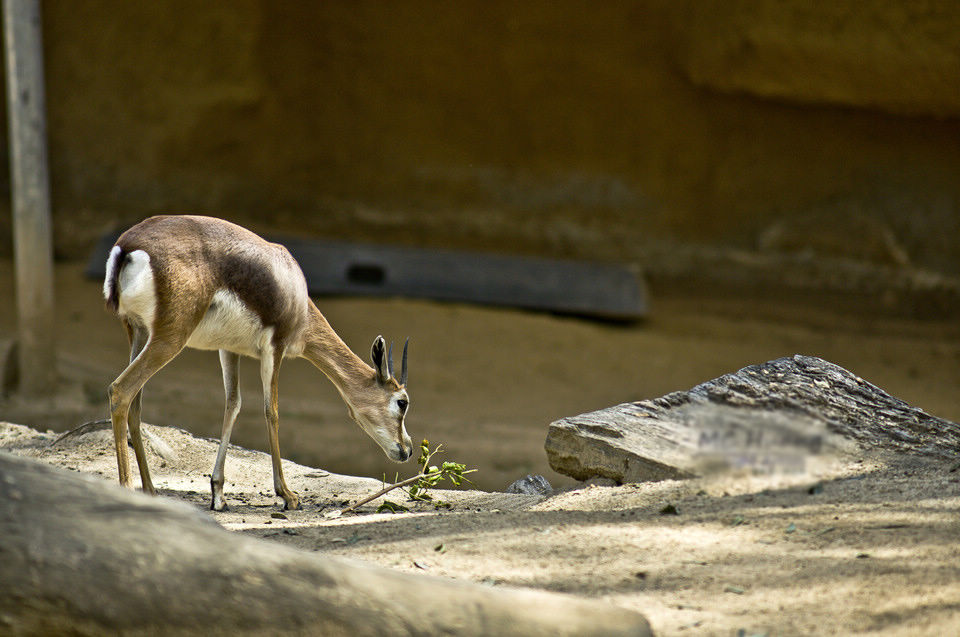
(32, 236)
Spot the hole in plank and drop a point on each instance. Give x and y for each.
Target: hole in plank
(366, 274)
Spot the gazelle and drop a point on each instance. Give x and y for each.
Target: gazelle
(189, 281)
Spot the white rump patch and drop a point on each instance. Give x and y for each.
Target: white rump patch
(229, 324)
(137, 290)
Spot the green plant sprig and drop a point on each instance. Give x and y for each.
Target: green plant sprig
(428, 477)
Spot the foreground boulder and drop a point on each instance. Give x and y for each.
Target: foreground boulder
(84, 557)
(768, 416)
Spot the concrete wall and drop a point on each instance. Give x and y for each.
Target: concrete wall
(563, 128)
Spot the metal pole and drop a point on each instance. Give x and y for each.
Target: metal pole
(32, 236)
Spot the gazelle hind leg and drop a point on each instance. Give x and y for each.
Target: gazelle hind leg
(270, 376)
(155, 354)
(138, 336)
(229, 363)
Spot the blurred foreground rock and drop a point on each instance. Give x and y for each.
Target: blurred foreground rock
(767, 417)
(84, 557)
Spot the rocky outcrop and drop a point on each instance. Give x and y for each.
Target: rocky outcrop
(768, 416)
(84, 557)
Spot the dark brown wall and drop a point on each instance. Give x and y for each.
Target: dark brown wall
(566, 128)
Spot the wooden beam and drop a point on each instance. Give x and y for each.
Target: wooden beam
(32, 235)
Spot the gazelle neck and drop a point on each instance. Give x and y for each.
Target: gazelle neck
(327, 351)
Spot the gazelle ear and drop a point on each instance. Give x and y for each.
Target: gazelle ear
(379, 357)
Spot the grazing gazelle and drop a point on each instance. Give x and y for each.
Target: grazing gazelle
(188, 281)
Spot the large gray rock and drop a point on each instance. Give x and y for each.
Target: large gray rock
(81, 556)
(768, 416)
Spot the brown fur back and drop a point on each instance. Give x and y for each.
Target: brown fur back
(203, 254)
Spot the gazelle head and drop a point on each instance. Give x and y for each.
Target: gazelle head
(381, 409)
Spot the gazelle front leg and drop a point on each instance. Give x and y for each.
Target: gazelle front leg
(229, 363)
(270, 360)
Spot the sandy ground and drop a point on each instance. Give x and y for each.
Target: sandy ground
(862, 546)
(874, 551)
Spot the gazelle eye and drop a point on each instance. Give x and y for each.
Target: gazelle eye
(402, 405)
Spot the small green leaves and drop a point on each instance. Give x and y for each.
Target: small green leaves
(391, 507)
(429, 476)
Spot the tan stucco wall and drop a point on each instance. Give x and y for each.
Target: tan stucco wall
(581, 129)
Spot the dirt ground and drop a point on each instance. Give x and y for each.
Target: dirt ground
(858, 547)
(874, 551)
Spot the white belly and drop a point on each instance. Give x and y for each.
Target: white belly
(231, 325)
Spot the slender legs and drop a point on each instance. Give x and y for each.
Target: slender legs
(229, 363)
(138, 339)
(147, 355)
(124, 392)
(270, 377)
